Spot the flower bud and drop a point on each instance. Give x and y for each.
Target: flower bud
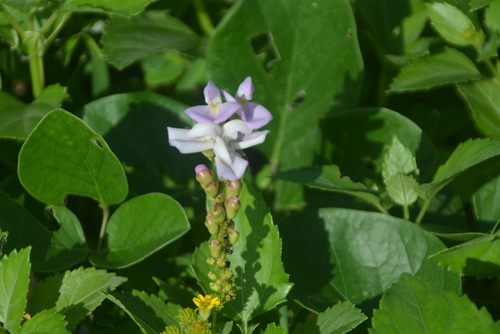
(203, 175)
(233, 188)
(228, 272)
(211, 188)
(218, 213)
(215, 286)
(232, 206)
(212, 226)
(211, 261)
(215, 248)
(220, 262)
(233, 236)
(212, 276)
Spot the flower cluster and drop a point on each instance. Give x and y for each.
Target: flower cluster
(220, 134)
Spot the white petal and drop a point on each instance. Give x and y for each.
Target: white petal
(233, 171)
(209, 130)
(176, 133)
(221, 150)
(252, 139)
(191, 146)
(232, 129)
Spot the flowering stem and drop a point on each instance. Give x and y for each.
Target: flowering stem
(104, 224)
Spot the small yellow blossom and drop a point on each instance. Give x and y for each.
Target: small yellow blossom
(206, 303)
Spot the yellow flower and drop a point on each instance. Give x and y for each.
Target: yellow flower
(206, 303)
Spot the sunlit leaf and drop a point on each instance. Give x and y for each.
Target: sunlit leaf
(45, 322)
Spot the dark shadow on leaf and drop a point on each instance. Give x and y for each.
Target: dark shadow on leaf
(481, 269)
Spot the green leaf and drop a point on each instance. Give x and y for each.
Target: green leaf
(256, 262)
(466, 155)
(479, 257)
(360, 139)
(52, 250)
(273, 329)
(403, 189)
(75, 293)
(336, 254)
(126, 7)
(292, 50)
(18, 119)
(64, 156)
(162, 69)
(478, 4)
(448, 67)
(329, 178)
(413, 306)
(452, 24)
(338, 319)
(399, 159)
(14, 280)
(127, 40)
(486, 200)
(226, 329)
(45, 322)
(128, 241)
(491, 15)
(483, 100)
(22, 5)
(149, 312)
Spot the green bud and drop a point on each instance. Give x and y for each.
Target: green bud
(211, 188)
(215, 287)
(203, 175)
(228, 272)
(212, 276)
(233, 188)
(233, 236)
(215, 248)
(218, 213)
(232, 206)
(220, 262)
(211, 261)
(212, 226)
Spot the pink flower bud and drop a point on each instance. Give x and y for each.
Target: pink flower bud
(233, 188)
(211, 188)
(215, 248)
(218, 213)
(232, 207)
(203, 175)
(233, 237)
(212, 226)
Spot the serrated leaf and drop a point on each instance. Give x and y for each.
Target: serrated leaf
(64, 156)
(14, 280)
(402, 189)
(52, 250)
(483, 100)
(149, 312)
(18, 119)
(398, 159)
(336, 254)
(491, 15)
(328, 178)
(452, 24)
(226, 329)
(479, 257)
(448, 67)
(45, 322)
(127, 40)
(256, 262)
(413, 306)
(466, 155)
(75, 294)
(128, 242)
(126, 7)
(273, 329)
(282, 46)
(338, 319)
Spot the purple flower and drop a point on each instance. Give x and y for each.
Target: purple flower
(215, 111)
(224, 140)
(254, 114)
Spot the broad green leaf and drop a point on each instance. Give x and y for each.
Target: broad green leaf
(483, 100)
(338, 319)
(64, 156)
(360, 139)
(149, 312)
(491, 15)
(126, 7)
(273, 329)
(413, 306)
(339, 254)
(162, 69)
(478, 4)
(486, 200)
(14, 280)
(399, 159)
(127, 40)
(466, 155)
(45, 322)
(329, 178)
(403, 189)
(75, 294)
(128, 241)
(452, 24)
(479, 257)
(256, 262)
(52, 250)
(18, 119)
(448, 67)
(292, 50)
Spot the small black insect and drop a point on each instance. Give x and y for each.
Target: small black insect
(228, 264)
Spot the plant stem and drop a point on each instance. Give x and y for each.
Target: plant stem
(36, 67)
(203, 17)
(104, 224)
(406, 212)
(283, 316)
(214, 321)
(381, 209)
(423, 211)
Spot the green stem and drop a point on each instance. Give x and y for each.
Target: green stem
(406, 212)
(214, 321)
(493, 69)
(423, 211)
(36, 67)
(283, 316)
(56, 31)
(104, 224)
(381, 209)
(203, 18)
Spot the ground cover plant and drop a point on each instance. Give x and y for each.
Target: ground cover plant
(250, 166)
